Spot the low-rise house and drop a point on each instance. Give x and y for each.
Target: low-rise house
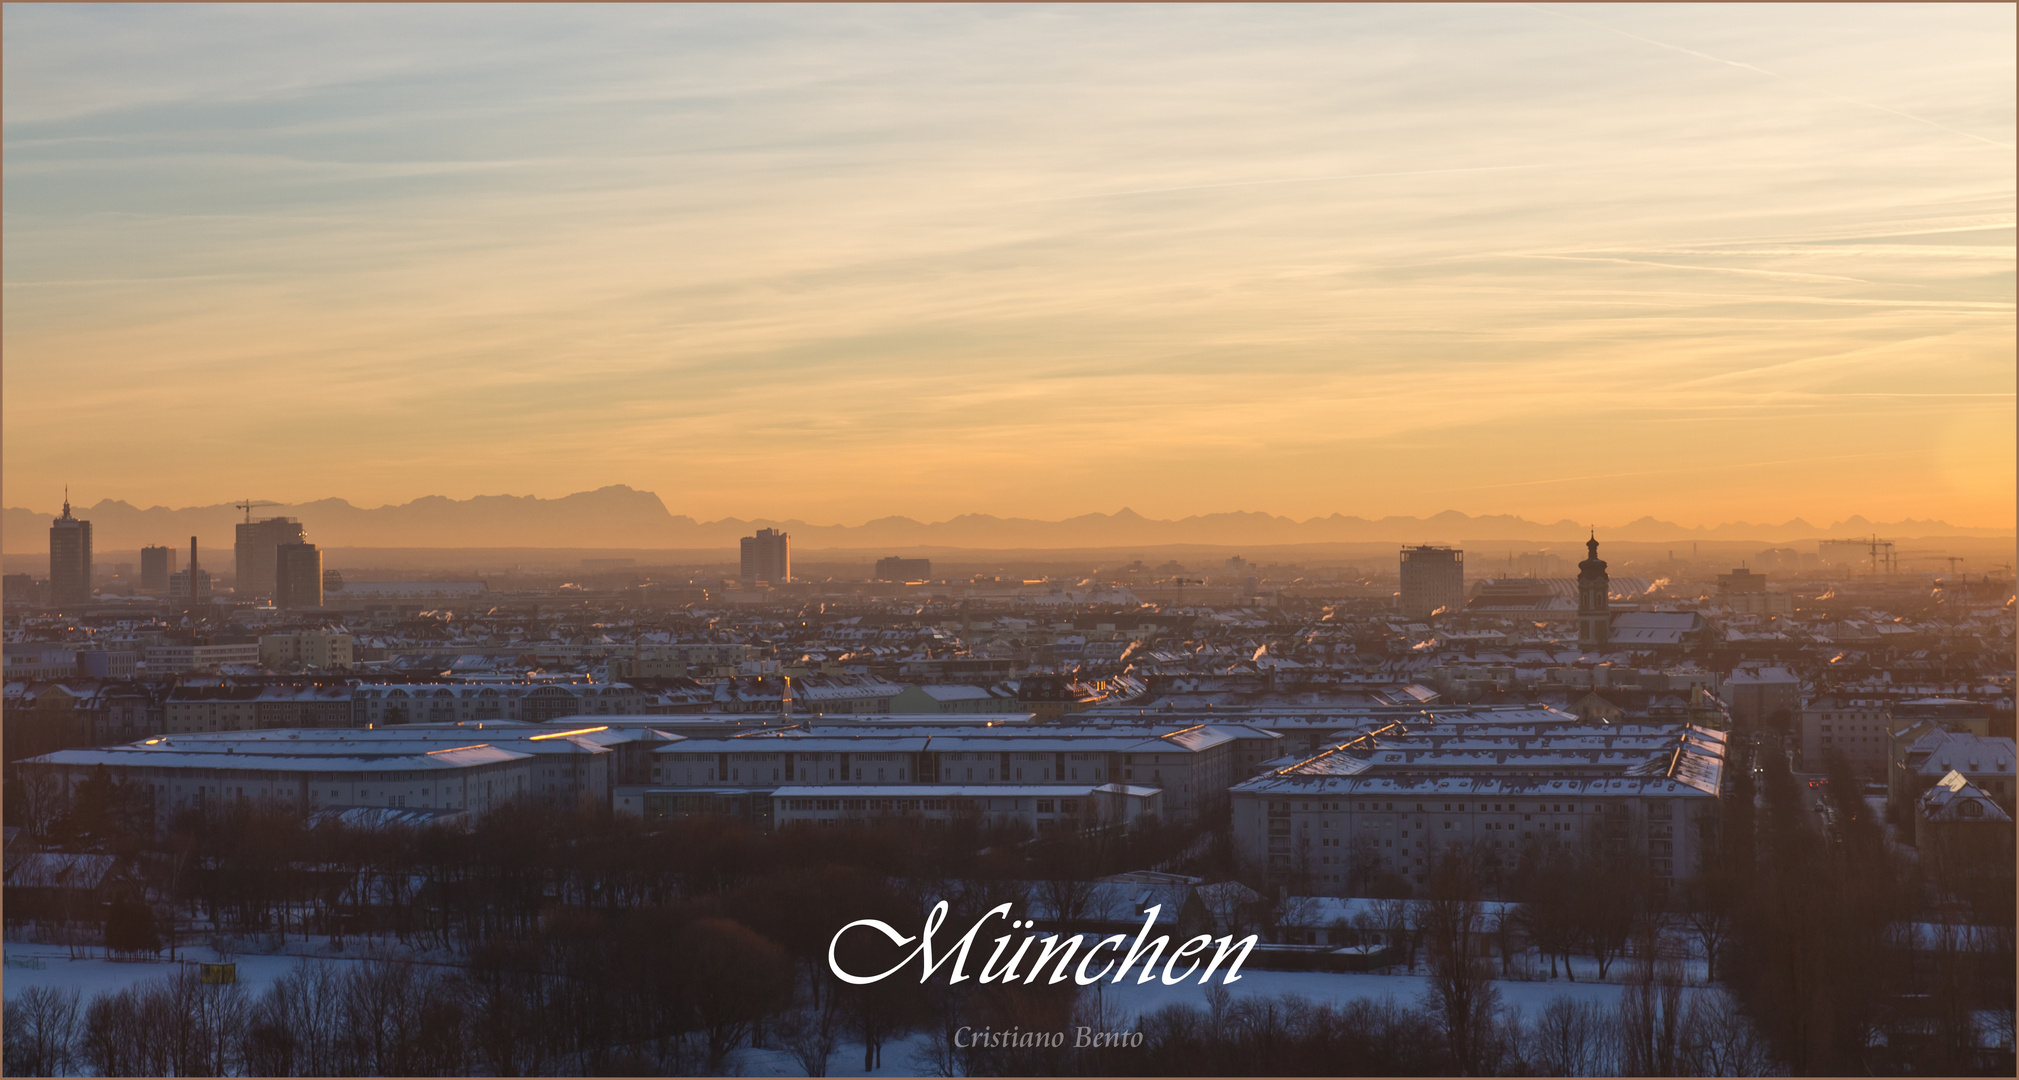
(1989, 764)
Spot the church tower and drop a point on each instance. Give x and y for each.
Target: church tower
(1594, 608)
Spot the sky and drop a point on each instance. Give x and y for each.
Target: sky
(832, 263)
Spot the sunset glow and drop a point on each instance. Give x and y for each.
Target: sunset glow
(835, 263)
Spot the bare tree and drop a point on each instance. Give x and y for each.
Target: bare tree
(1461, 990)
(1067, 868)
(1650, 1024)
(218, 1012)
(297, 1027)
(40, 1030)
(111, 1041)
(1706, 913)
(811, 1033)
(1719, 1040)
(742, 979)
(42, 801)
(1566, 1040)
(380, 1000)
(1398, 919)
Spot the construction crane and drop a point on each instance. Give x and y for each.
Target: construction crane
(1881, 551)
(248, 504)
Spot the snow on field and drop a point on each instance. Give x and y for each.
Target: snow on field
(97, 975)
(1134, 1000)
(1338, 988)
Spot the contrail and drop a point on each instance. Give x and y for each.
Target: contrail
(1773, 75)
(1290, 180)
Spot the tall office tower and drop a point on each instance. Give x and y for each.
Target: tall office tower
(297, 576)
(191, 586)
(256, 543)
(767, 557)
(69, 558)
(1432, 578)
(156, 563)
(1594, 599)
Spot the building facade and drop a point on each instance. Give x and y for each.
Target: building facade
(1433, 579)
(156, 563)
(1038, 808)
(767, 557)
(297, 569)
(1393, 802)
(1191, 767)
(382, 704)
(257, 541)
(1756, 695)
(180, 774)
(178, 659)
(1859, 729)
(69, 559)
(897, 569)
(316, 650)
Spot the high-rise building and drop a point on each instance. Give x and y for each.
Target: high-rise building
(1432, 578)
(191, 586)
(297, 576)
(1594, 599)
(69, 558)
(156, 563)
(256, 543)
(896, 569)
(767, 557)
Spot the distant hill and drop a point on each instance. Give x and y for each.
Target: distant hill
(622, 517)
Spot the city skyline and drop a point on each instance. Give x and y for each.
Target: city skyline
(834, 264)
(626, 519)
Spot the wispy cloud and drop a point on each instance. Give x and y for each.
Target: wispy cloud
(1798, 84)
(837, 261)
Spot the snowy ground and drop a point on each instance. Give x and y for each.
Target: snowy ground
(256, 972)
(1135, 1000)
(97, 975)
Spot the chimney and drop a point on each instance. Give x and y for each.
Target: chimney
(192, 566)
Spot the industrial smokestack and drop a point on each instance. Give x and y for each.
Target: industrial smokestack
(192, 565)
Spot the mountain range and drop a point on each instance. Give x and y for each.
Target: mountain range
(623, 517)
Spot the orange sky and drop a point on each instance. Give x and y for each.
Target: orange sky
(835, 263)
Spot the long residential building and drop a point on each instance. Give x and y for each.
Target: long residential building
(377, 704)
(1039, 808)
(194, 709)
(1192, 766)
(471, 767)
(1392, 800)
(177, 659)
(180, 773)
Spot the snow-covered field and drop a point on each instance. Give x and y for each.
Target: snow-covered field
(98, 975)
(256, 972)
(1134, 1000)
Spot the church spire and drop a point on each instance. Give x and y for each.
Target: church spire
(1594, 599)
